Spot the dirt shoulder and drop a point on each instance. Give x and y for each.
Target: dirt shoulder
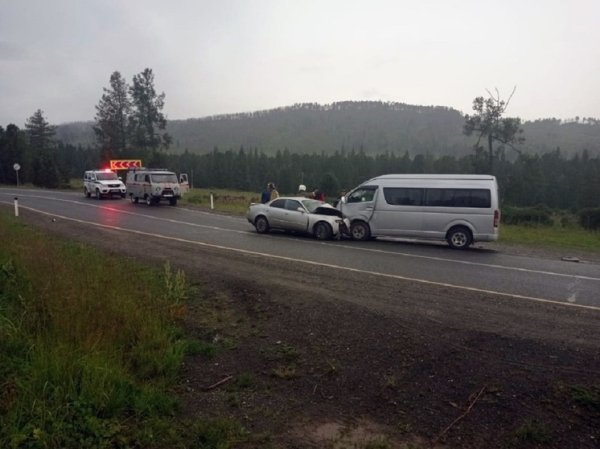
(313, 357)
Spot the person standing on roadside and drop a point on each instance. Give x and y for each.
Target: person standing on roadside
(266, 195)
(274, 192)
(318, 195)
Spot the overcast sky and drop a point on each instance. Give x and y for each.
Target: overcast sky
(226, 56)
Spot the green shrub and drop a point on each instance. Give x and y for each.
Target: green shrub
(590, 218)
(533, 216)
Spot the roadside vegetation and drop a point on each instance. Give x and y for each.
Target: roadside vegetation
(542, 226)
(90, 349)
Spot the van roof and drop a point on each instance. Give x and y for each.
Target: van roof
(452, 177)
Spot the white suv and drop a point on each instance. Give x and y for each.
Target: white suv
(102, 183)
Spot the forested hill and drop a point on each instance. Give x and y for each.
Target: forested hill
(374, 127)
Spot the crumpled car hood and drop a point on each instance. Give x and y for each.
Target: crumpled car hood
(328, 210)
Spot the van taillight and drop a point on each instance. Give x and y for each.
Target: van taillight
(496, 218)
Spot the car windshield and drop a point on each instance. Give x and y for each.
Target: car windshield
(106, 176)
(311, 205)
(164, 177)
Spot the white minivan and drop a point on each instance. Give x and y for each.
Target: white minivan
(460, 209)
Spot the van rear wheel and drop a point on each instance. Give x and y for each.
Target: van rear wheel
(359, 230)
(149, 200)
(459, 237)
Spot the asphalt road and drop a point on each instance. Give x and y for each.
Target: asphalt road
(543, 281)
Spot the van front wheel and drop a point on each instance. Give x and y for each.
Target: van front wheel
(360, 231)
(459, 237)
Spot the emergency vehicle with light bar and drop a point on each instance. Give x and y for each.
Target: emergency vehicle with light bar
(152, 185)
(103, 183)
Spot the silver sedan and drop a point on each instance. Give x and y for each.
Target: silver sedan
(298, 214)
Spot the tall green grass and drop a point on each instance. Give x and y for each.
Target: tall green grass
(232, 201)
(569, 237)
(89, 345)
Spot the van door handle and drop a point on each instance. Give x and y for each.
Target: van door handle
(369, 208)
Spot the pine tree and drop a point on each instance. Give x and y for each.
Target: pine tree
(112, 119)
(147, 123)
(12, 150)
(43, 149)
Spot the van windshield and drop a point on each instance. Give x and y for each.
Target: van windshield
(362, 194)
(164, 177)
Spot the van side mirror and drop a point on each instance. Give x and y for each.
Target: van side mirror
(343, 200)
(300, 210)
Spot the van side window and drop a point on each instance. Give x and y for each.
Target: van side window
(401, 196)
(362, 195)
(480, 198)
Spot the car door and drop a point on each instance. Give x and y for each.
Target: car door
(295, 217)
(276, 213)
(360, 203)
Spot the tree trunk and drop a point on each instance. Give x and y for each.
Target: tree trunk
(491, 154)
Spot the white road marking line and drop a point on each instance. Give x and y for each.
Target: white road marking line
(337, 267)
(348, 247)
(466, 262)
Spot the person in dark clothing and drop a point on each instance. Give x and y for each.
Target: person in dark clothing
(266, 195)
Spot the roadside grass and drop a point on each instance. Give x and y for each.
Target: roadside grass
(90, 347)
(232, 201)
(532, 432)
(572, 237)
(589, 397)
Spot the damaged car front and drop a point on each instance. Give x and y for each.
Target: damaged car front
(298, 214)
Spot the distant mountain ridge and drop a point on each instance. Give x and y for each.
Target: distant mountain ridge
(371, 126)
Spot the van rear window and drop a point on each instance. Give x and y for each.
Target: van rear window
(401, 196)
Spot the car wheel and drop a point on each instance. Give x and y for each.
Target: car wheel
(134, 199)
(86, 193)
(323, 231)
(149, 200)
(359, 230)
(98, 196)
(459, 237)
(262, 225)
